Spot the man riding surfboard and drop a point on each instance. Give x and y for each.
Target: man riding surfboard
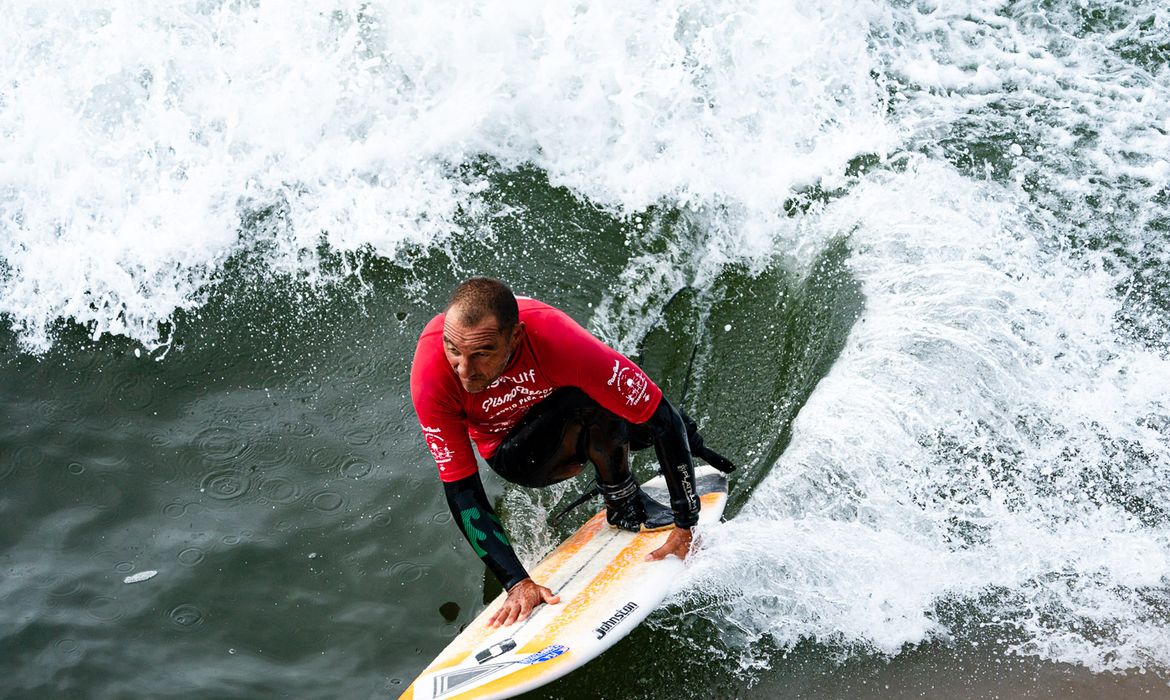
(539, 396)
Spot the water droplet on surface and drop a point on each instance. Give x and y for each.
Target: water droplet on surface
(186, 615)
(225, 485)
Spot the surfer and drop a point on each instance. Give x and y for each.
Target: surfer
(539, 395)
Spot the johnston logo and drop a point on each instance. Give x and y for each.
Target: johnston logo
(621, 614)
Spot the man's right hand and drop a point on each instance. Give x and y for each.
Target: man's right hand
(521, 601)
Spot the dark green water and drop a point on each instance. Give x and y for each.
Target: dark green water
(269, 467)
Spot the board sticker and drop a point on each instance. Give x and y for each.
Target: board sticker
(550, 652)
(495, 650)
(616, 618)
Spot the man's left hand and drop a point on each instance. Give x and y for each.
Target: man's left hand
(677, 543)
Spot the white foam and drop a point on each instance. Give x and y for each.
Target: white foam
(140, 576)
(137, 138)
(968, 440)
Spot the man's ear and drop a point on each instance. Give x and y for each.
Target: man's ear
(517, 331)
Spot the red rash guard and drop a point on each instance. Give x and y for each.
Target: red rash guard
(554, 352)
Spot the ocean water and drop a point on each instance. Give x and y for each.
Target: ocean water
(908, 263)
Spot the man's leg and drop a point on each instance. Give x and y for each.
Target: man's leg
(549, 444)
(555, 439)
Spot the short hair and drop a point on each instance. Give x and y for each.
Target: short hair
(480, 297)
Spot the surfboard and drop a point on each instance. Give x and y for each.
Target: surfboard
(607, 589)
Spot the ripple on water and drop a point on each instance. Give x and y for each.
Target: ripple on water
(190, 556)
(175, 509)
(359, 436)
(356, 368)
(186, 616)
(325, 460)
(278, 489)
(326, 501)
(382, 519)
(134, 391)
(353, 468)
(27, 456)
(297, 428)
(407, 571)
(221, 444)
(104, 609)
(76, 468)
(306, 385)
(267, 451)
(67, 648)
(103, 494)
(60, 591)
(225, 484)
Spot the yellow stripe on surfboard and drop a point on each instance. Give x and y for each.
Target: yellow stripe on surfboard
(642, 544)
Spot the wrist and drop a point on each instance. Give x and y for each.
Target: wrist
(514, 584)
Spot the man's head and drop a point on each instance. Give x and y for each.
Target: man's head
(481, 329)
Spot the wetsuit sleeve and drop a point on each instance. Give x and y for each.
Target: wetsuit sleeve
(571, 356)
(675, 462)
(440, 413)
(483, 530)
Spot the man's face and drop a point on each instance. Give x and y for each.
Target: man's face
(478, 353)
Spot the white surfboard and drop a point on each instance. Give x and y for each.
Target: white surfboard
(607, 589)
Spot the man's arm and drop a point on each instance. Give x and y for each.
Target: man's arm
(479, 524)
(677, 467)
(485, 533)
(675, 462)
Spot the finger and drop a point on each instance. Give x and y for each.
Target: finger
(658, 554)
(549, 597)
(513, 615)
